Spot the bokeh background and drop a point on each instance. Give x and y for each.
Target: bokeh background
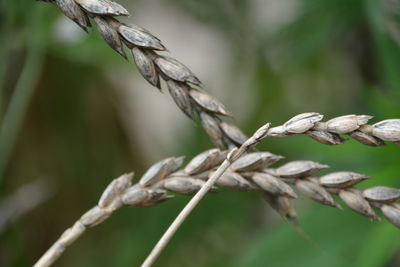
(76, 115)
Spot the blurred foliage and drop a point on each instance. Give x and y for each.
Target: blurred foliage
(331, 56)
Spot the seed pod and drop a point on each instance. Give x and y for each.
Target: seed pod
(382, 194)
(366, 139)
(316, 193)
(180, 93)
(234, 181)
(325, 137)
(140, 37)
(341, 179)
(299, 168)
(202, 162)
(74, 12)
(156, 196)
(392, 214)
(175, 70)
(115, 189)
(254, 161)
(233, 133)
(346, 124)
(208, 102)
(211, 126)
(278, 131)
(159, 171)
(302, 122)
(103, 7)
(387, 130)
(283, 206)
(357, 203)
(135, 196)
(185, 186)
(146, 66)
(273, 185)
(107, 27)
(94, 216)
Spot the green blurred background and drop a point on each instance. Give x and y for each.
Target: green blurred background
(76, 114)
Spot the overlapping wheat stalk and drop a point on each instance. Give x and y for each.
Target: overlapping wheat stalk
(251, 172)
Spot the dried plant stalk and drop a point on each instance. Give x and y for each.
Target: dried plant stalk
(180, 81)
(250, 172)
(329, 132)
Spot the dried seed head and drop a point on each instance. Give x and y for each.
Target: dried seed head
(254, 161)
(387, 130)
(140, 37)
(346, 124)
(316, 193)
(156, 196)
(234, 181)
(341, 179)
(134, 196)
(366, 139)
(159, 171)
(208, 102)
(94, 216)
(233, 133)
(202, 162)
(103, 7)
(211, 126)
(107, 27)
(302, 122)
(392, 214)
(357, 203)
(299, 168)
(146, 66)
(283, 206)
(382, 194)
(273, 185)
(71, 9)
(185, 186)
(115, 189)
(180, 93)
(325, 137)
(175, 70)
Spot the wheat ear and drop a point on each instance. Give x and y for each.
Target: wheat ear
(180, 80)
(250, 172)
(182, 83)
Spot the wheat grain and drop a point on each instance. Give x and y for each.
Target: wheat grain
(329, 132)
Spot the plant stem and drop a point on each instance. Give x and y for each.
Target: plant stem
(22, 95)
(232, 156)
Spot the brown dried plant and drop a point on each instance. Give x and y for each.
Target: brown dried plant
(250, 172)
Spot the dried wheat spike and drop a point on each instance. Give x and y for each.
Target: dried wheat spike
(329, 132)
(250, 172)
(182, 83)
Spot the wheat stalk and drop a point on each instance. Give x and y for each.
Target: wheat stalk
(250, 172)
(180, 80)
(329, 132)
(182, 83)
(184, 88)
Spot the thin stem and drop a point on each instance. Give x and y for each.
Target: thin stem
(162, 243)
(21, 97)
(232, 156)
